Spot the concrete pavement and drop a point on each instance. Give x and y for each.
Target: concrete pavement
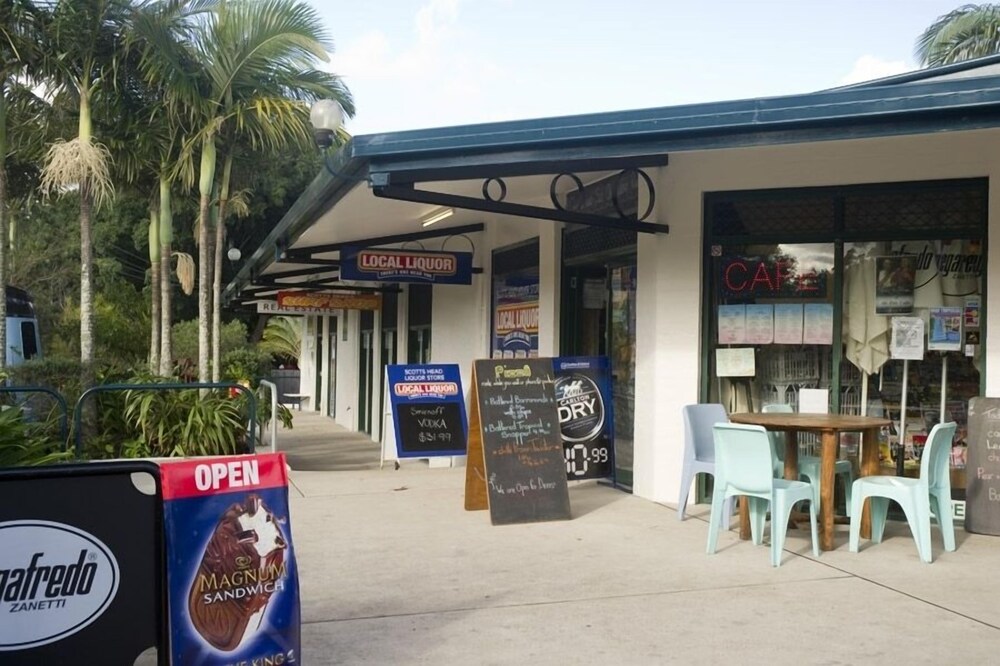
(394, 570)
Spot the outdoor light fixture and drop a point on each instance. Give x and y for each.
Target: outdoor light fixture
(326, 117)
(438, 216)
(234, 253)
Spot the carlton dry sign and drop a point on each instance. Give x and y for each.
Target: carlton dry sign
(382, 265)
(55, 580)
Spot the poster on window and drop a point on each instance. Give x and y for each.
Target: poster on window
(760, 324)
(818, 324)
(894, 284)
(907, 340)
(788, 323)
(945, 332)
(515, 316)
(732, 324)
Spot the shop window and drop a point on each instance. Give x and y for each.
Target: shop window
(515, 301)
(804, 288)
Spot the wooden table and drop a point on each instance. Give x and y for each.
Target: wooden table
(829, 427)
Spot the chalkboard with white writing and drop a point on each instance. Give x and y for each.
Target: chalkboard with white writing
(522, 444)
(428, 410)
(982, 471)
(428, 428)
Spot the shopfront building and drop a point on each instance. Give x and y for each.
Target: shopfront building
(764, 224)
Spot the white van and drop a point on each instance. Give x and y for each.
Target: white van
(23, 339)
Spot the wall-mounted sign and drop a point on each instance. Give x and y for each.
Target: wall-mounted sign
(381, 265)
(302, 302)
(428, 410)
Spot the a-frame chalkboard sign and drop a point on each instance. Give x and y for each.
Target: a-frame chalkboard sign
(516, 461)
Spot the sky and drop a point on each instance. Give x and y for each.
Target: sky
(415, 64)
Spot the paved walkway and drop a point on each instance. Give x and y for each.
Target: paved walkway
(395, 571)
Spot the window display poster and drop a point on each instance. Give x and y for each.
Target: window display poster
(760, 324)
(818, 324)
(894, 284)
(972, 312)
(739, 362)
(788, 323)
(945, 332)
(732, 324)
(515, 316)
(907, 340)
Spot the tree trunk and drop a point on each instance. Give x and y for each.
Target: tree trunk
(86, 283)
(220, 240)
(154, 290)
(208, 153)
(166, 284)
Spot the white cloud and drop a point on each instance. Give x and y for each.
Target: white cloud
(433, 75)
(869, 67)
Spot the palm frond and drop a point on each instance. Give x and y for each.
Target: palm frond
(971, 31)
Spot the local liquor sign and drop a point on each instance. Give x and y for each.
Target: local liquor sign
(231, 579)
(380, 265)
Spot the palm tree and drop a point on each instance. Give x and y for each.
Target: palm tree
(84, 51)
(258, 76)
(19, 37)
(971, 31)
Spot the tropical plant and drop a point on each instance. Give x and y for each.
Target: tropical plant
(181, 422)
(245, 364)
(254, 80)
(283, 337)
(971, 31)
(22, 444)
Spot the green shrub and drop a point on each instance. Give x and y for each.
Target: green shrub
(184, 340)
(246, 364)
(22, 444)
(181, 422)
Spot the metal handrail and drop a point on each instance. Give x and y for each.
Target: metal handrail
(274, 412)
(63, 419)
(77, 411)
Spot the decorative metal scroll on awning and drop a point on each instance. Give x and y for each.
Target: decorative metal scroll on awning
(495, 191)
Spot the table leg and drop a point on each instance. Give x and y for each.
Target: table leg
(827, 462)
(869, 467)
(791, 455)
(744, 504)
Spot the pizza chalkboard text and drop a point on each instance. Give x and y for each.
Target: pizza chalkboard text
(525, 467)
(982, 496)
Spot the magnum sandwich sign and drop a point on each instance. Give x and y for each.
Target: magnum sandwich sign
(383, 265)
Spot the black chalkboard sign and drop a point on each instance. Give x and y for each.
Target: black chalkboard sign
(522, 444)
(428, 428)
(982, 470)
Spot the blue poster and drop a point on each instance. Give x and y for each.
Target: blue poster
(515, 316)
(586, 416)
(428, 410)
(232, 586)
(422, 266)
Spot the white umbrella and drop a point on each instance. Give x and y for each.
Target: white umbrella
(866, 334)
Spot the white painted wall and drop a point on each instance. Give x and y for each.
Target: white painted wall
(670, 281)
(347, 369)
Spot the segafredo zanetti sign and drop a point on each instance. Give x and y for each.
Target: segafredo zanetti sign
(55, 579)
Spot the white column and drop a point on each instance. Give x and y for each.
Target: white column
(991, 281)
(549, 287)
(325, 369)
(375, 379)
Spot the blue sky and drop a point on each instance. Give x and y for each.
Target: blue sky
(415, 64)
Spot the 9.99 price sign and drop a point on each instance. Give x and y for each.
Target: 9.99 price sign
(583, 395)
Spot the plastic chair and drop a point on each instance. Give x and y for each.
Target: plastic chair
(744, 466)
(699, 449)
(809, 466)
(919, 498)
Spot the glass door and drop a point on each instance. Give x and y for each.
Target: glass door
(621, 343)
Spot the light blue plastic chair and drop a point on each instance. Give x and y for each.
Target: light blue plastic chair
(744, 465)
(809, 466)
(919, 498)
(699, 449)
